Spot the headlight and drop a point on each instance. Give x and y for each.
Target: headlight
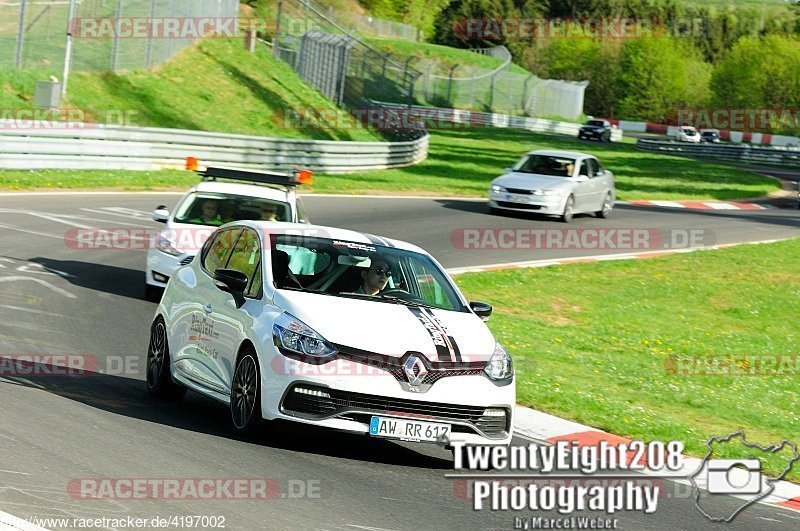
(293, 335)
(500, 366)
(546, 192)
(165, 246)
(498, 189)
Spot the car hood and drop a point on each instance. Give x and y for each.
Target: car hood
(390, 329)
(532, 181)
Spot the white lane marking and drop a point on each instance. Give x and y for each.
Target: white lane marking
(721, 206)
(122, 211)
(42, 270)
(17, 523)
(28, 194)
(368, 528)
(33, 310)
(15, 472)
(36, 233)
(42, 283)
(671, 204)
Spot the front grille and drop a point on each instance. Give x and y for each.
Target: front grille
(339, 403)
(519, 191)
(187, 260)
(433, 376)
(507, 204)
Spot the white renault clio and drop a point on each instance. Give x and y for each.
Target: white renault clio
(334, 328)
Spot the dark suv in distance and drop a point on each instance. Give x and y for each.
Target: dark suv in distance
(711, 136)
(599, 129)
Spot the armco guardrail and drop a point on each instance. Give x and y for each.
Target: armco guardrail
(461, 119)
(724, 152)
(92, 146)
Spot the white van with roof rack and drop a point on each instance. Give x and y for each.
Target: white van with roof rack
(223, 195)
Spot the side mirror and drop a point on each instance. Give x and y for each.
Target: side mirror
(507, 170)
(481, 309)
(233, 281)
(582, 178)
(161, 214)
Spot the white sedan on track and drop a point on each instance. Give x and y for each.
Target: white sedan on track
(333, 328)
(560, 183)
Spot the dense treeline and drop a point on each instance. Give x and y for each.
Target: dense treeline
(644, 59)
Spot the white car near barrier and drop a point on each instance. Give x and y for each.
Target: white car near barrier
(252, 195)
(333, 328)
(560, 183)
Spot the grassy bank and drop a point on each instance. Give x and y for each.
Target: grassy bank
(596, 343)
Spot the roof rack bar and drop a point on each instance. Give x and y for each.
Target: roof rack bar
(284, 179)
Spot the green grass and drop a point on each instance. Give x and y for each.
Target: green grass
(212, 86)
(591, 341)
(462, 163)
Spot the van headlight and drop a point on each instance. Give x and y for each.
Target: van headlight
(500, 366)
(546, 193)
(165, 246)
(293, 335)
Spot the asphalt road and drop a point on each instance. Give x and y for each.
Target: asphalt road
(55, 430)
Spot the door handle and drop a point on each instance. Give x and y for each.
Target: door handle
(207, 308)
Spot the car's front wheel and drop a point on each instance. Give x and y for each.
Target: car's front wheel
(159, 380)
(246, 393)
(569, 210)
(608, 204)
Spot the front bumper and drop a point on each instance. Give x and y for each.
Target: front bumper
(163, 265)
(349, 400)
(550, 205)
(591, 134)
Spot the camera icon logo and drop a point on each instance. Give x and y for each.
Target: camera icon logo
(734, 476)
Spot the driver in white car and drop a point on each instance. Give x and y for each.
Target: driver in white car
(376, 277)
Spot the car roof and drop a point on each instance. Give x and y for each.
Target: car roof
(322, 231)
(556, 153)
(249, 190)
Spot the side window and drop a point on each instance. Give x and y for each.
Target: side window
(302, 215)
(584, 169)
(429, 288)
(591, 167)
(598, 168)
(220, 249)
(246, 257)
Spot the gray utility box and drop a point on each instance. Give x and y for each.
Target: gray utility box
(48, 95)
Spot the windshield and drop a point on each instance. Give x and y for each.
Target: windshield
(689, 132)
(597, 123)
(364, 271)
(546, 165)
(203, 208)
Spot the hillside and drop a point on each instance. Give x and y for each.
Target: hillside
(212, 86)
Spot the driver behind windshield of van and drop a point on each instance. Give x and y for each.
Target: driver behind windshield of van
(376, 277)
(208, 214)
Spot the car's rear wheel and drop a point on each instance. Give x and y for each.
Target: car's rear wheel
(159, 379)
(246, 393)
(608, 204)
(569, 210)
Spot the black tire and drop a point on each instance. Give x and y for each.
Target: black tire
(608, 204)
(246, 393)
(153, 293)
(158, 378)
(494, 211)
(569, 209)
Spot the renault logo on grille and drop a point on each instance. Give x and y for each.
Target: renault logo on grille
(415, 370)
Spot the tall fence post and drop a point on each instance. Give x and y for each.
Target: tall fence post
(68, 49)
(115, 44)
(491, 92)
(277, 38)
(20, 35)
(450, 84)
(149, 51)
(524, 101)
